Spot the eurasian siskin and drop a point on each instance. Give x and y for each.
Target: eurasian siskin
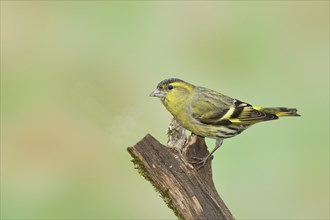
(208, 113)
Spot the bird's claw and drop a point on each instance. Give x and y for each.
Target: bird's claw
(200, 161)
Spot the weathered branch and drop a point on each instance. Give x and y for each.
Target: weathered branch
(189, 192)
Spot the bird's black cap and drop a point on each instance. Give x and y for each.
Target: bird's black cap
(167, 81)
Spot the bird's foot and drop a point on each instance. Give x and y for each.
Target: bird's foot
(200, 162)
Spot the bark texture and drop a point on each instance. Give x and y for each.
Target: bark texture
(189, 192)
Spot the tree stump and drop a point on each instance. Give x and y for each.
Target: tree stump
(188, 191)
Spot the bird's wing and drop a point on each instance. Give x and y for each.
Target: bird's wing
(210, 107)
(246, 114)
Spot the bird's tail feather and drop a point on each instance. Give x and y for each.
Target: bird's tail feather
(281, 111)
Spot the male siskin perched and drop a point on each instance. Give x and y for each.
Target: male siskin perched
(208, 113)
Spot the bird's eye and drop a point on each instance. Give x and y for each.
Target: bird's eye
(169, 87)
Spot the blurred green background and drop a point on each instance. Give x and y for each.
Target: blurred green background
(75, 80)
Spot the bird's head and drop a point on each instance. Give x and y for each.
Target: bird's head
(173, 90)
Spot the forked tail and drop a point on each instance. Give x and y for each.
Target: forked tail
(281, 111)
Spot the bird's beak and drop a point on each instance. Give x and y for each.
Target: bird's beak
(157, 93)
